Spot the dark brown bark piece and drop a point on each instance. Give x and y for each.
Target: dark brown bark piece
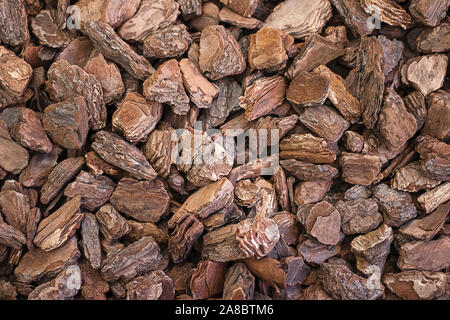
(33, 219)
(428, 12)
(170, 42)
(430, 200)
(308, 89)
(308, 148)
(114, 48)
(355, 17)
(436, 124)
(245, 8)
(156, 285)
(166, 86)
(220, 54)
(13, 157)
(307, 171)
(208, 279)
(55, 230)
(112, 225)
(158, 150)
(239, 283)
(37, 264)
(396, 206)
(268, 49)
(93, 286)
(229, 16)
(431, 255)
(26, 128)
(61, 174)
(181, 242)
(67, 122)
(98, 166)
(415, 104)
(360, 169)
(145, 201)
(46, 30)
(434, 40)
(315, 253)
(138, 258)
(90, 240)
(411, 178)
(308, 192)
(14, 207)
(68, 81)
(11, 237)
(359, 216)
(63, 287)
(144, 229)
(263, 96)
(111, 148)
(13, 23)
(94, 191)
(388, 11)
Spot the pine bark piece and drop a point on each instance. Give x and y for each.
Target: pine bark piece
(33, 219)
(360, 169)
(268, 270)
(340, 96)
(98, 166)
(307, 171)
(359, 216)
(311, 19)
(114, 48)
(55, 230)
(158, 151)
(428, 12)
(39, 167)
(389, 12)
(231, 214)
(69, 81)
(112, 225)
(229, 16)
(393, 53)
(38, 264)
(94, 191)
(315, 52)
(26, 128)
(201, 91)
(151, 16)
(268, 204)
(416, 284)
(281, 188)
(7, 290)
(341, 283)
(426, 73)
(430, 256)
(64, 287)
(435, 157)
(145, 201)
(144, 229)
(308, 192)
(325, 122)
(395, 124)
(209, 16)
(170, 42)
(136, 117)
(208, 279)
(308, 89)
(246, 193)
(268, 49)
(245, 8)
(108, 74)
(11, 237)
(432, 199)
(180, 275)
(156, 285)
(249, 238)
(61, 174)
(396, 206)
(355, 17)
(415, 104)
(166, 86)
(93, 286)
(46, 30)
(224, 104)
(113, 12)
(283, 125)
(111, 148)
(315, 253)
(67, 122)
(13, 23)
(15, 76)
(372, 249)
(322, 221)
(205, 201)
(220, 54)
(13, 157)
(90, 240)
(434, 40)
(188, 7)
(308, 148)
(138, 258)
(263, 96)
(427, 227)
(239, 283)
(181, 242)
(436, 124)
(412, 179)
(370, 79)
(14, 207)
